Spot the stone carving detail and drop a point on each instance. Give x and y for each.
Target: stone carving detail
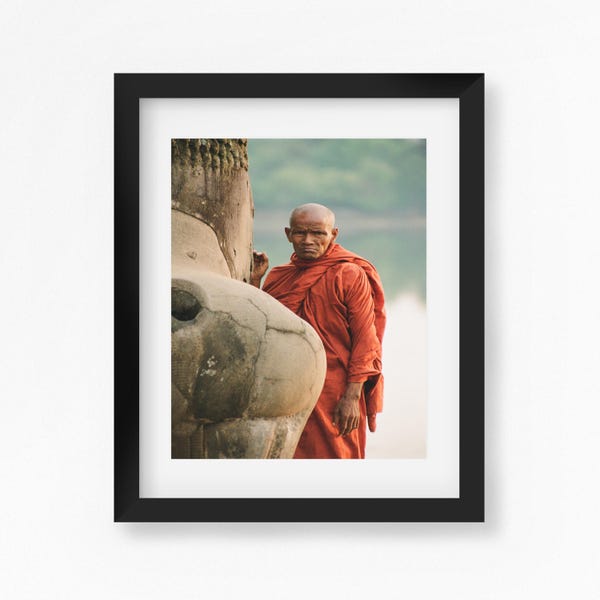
(209, 182)
(246, 372)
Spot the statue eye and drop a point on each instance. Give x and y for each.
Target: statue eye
(184, 306)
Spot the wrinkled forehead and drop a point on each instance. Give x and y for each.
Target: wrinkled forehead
(312, 219)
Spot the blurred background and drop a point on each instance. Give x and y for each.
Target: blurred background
(377, 189)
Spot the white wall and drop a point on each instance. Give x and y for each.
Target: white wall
(57, 538)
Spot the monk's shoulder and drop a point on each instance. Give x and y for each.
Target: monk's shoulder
(280, 270)
(348, 276)
(275, 276)
(349, 271)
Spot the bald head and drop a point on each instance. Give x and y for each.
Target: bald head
(311, 231)
(315, 212)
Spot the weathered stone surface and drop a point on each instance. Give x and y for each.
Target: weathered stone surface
(243, 438)
(253, 384)
(194, 243)
(277, 375)
(245, 371)
(209, 182)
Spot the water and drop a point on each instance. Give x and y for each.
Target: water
(402, 426)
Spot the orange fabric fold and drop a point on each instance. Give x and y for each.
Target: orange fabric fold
(341, 296)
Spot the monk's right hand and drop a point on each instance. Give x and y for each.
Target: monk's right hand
(260, 264)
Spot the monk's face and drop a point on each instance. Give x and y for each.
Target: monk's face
(311, 233)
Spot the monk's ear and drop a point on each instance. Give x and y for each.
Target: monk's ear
(334, 234)
(288, 233)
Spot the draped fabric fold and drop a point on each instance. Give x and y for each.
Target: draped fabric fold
(341, 296)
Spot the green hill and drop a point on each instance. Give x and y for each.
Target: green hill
(377, 175)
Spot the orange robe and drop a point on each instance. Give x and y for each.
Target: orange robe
(341, 296)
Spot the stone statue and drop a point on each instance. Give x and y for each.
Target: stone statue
(245, 371)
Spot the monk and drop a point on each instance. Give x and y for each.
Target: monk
(340, 295)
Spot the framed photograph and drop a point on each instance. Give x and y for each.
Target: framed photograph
(299, 279)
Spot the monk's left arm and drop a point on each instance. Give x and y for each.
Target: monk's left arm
(365, 345)
(361, 321)
(346, 416)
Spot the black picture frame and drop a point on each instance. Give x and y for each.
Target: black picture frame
(128, 90)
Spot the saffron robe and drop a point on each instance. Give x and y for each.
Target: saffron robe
(341, 296)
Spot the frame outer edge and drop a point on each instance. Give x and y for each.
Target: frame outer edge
(472, 262)
(128, 506)
(126, 265)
